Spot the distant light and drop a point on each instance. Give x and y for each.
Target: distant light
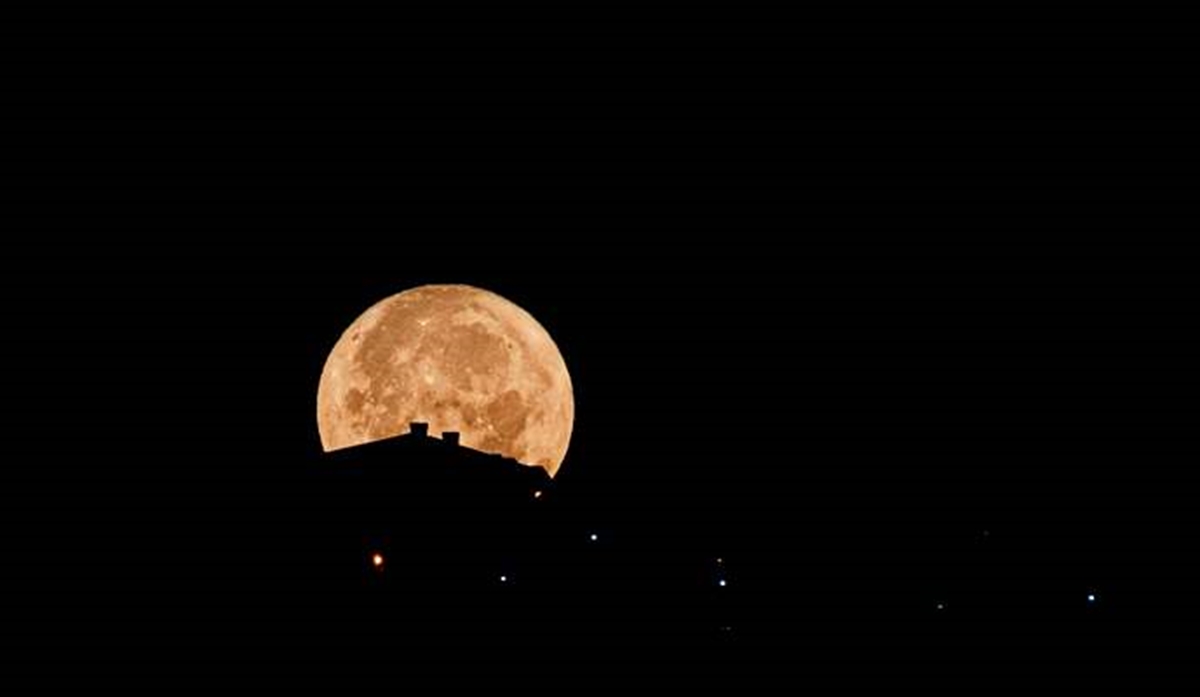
(377, 560)
(720, 560)
(721, 583)
(593, 537)
(1091, 597)
(941, 606)
(537, 494)
(503, 579)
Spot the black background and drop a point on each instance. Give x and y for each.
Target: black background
(991, 409)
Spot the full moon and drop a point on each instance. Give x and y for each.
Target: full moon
(459, 358)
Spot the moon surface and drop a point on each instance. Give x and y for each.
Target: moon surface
(459, 358)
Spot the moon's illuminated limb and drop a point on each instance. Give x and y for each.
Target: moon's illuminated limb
(460, 358)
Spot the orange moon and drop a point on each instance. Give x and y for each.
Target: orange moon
(459, 358)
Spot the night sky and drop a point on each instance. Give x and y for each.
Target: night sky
(962, 460)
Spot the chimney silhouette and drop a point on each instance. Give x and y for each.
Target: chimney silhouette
(418, 429)
(450, 437)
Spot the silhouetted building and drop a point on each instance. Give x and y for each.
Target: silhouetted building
(420, 528)
(431, 496)
(417, 457)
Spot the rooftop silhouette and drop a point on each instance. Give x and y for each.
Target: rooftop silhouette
(431, 495)
(418, 456)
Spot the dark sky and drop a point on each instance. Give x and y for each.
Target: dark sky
(1001, 424)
